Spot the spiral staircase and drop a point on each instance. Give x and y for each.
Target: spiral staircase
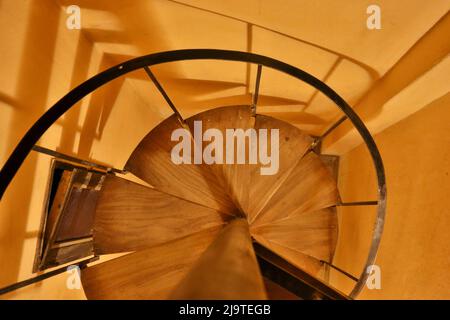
(189, 231)
(190, 208)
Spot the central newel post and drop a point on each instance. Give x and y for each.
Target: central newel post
(227, 270)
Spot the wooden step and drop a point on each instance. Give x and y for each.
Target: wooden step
(232, 177)
(313, 233)
(227, 269)
(132, 217)
(152, 273)
(309, 187)
(298, 259)
(293, 144)
(151, 162)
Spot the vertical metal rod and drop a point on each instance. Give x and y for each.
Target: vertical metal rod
(256, 93)
(334, 126)
(164, 94)
(63, 156)
(21, 284)
(340, 270)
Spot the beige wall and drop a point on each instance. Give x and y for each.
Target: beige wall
(41, 61)
(415, 249)
(37, 66)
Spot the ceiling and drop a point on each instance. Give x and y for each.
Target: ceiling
(328, 39)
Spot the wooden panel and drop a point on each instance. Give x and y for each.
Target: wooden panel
(151, 161)
(60, 255)
(312, 233)
(73, 196)
(78, 216)
(293, 144)
(298, 259)
(227, 270)
(147, 274)
(59, 200)
(53, 220)
(308, 187)
(131, 217)
(233, 177)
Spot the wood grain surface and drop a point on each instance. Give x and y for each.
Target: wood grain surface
(148, 274)
(131, 217)
(227, 270)
(151, 162)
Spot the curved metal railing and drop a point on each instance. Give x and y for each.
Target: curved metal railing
(27, 143)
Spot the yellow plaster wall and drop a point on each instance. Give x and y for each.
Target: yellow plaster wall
(41, 61)
(414, 255)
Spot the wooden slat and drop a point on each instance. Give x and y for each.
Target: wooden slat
(131, 217)
(54, 216)
(227, 270)
(293, 144)
(60, 255)
(312, 233)
(233, 177)
(78, 215)
(148, 274)
(309, 187)
(151, 162)
(298, 259)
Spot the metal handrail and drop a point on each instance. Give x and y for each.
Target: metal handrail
(26, 144)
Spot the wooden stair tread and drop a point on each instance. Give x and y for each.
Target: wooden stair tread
(148, 274)
(312, 233)
(151, 162)
(131, 217)
(230, 264)
(308, 187)
(298, 259)
(293, 144)
(232, 177)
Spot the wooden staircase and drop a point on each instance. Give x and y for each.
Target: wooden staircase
(189, 235)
